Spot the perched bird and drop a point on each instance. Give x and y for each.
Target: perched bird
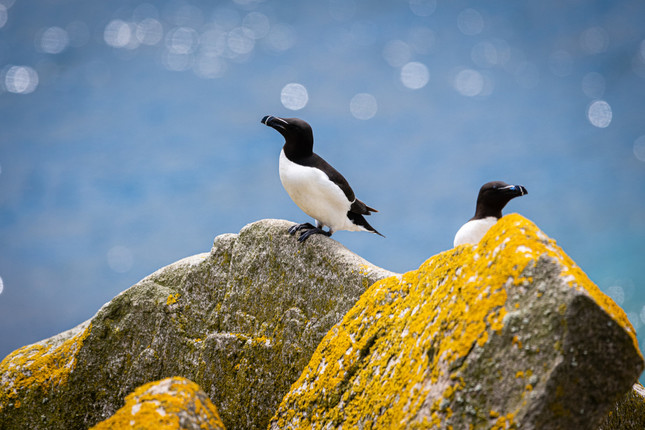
(315, 186)
(492, 198)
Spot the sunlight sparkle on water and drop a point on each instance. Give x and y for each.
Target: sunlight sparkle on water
(118, 34)
(639, 148)
(415, 75)
(149, 31)
(294, 96)
(21, 79)
(423, 7)
(470, 22)
(599, 114)
(52, 40)
(363, 106)
(4, 16)
(469, 82)
(397, 53)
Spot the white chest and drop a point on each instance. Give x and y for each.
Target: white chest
(314, 193)
(473, 231)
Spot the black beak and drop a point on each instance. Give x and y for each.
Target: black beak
(274, 122)
(514, 190)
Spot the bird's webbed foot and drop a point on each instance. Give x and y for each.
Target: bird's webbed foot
(297, 227)
(311, 231)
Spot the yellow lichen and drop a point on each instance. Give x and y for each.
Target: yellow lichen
(158, 406)
(415, 331)
(43, 366)
(172, 299)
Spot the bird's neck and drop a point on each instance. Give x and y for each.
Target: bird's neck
(487, 211)
(297, 150)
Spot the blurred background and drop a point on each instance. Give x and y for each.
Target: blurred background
(130, 133)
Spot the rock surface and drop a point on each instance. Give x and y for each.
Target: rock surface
(506, 334)
(169, 404)
(628, 412)
(241, 321)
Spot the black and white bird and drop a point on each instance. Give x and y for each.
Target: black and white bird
(492, 198)
(315, 186)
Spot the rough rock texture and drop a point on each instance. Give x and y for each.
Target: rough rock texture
(628, 412)
(241, 321)
(172, 403)
(506, 334)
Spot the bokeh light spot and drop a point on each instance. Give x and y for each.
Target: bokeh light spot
(397, 53)
(484, 54)
(423, 7)
(181, 40)
(149, 31)
(4, 15)
(363, 106)
(639, 149)
(177, 62)
(120, 259)
(617, 293)
(599, 114)
(1, 285)
(21, 80)
(241, 40)
(294, 96)
(258, 23)
(415, 75)
(53, 40)
(117, 33)
(469, 82)
(594, 40)
(470, 22)
(593, 85)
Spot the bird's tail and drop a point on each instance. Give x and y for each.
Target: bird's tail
(360, 220)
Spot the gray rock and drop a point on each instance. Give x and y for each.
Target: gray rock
(241, 321)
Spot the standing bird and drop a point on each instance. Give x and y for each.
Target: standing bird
(316, 187)
(492, 198)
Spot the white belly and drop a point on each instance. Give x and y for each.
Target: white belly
(316, 195)
(473, 231)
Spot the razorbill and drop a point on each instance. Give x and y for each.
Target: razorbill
(492, 198)
(315, 186)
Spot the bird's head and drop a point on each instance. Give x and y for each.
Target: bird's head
(297, 134)
(493, 196)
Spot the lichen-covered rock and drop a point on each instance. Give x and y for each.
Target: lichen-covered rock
(169, 404)
(506, 334)
(628, 412)
(241, 321)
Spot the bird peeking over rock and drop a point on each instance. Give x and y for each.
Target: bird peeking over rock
(315, 186)
(492, 198)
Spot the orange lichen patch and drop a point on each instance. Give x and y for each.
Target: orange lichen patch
(504, 422)
(172, 299)
(38, 366)
(405, 339)
(164, 404)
